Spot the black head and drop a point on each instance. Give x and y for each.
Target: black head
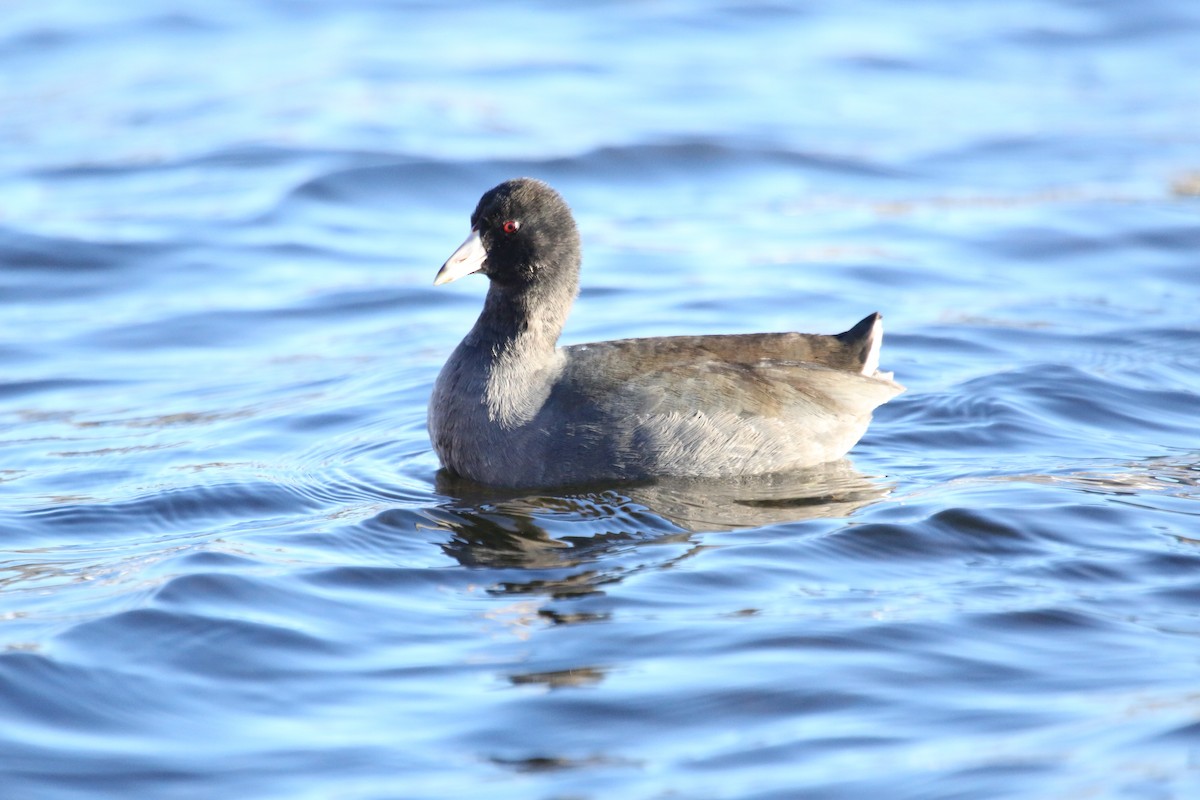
(522, 233)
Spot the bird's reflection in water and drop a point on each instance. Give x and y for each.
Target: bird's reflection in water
(595, 527)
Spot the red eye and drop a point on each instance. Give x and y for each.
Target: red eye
(511, 226)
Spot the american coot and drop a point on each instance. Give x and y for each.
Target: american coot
(511, 408)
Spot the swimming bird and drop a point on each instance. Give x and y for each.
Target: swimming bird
(512, 408)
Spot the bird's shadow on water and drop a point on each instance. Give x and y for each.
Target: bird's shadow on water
(569, 527)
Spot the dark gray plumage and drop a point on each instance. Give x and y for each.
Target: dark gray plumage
(511, 408)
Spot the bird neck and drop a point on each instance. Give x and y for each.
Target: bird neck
(526, 320)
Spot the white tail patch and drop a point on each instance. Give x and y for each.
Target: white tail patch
(871, 365)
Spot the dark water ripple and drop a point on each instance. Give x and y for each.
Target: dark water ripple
(228, 565)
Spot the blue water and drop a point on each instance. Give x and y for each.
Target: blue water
(228, 567)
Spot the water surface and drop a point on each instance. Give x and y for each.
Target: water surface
(228, 566)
